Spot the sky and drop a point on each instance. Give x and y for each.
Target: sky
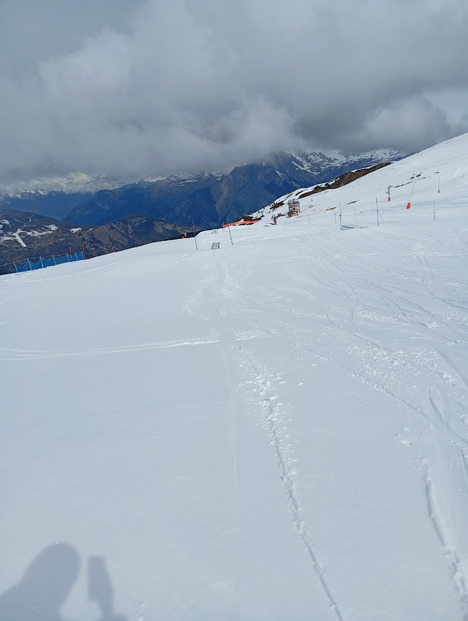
(273, 429)
(121, 90)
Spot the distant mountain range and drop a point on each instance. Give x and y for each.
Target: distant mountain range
(209, 200)
(50, 204)
(153, 210)
(205, 200)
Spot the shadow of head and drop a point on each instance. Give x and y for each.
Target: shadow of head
(45, 586)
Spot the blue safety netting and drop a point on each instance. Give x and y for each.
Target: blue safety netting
(48, 261)
(22, 268)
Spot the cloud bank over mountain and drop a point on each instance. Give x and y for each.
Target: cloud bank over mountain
(128, 89)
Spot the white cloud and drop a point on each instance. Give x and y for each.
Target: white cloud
(102, 63)
(158, 87)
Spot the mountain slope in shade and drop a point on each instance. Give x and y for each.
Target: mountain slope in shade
(30, 236)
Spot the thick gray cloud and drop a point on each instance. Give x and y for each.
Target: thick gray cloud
(131, 88)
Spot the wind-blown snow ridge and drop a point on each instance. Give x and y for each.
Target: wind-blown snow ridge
(275, 429)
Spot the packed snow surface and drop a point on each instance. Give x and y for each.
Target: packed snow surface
(272, 429)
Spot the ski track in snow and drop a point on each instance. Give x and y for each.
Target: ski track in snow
(272, 414)
(21, 354)
(445, 538)
(377, 360)
(376, 363)
(8, 354)
(414, 319)
(274, 418)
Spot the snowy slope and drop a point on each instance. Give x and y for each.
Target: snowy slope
(273, 430)
(427, 179)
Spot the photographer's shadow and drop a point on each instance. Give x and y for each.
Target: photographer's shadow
(48, 582)
(44, 588)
